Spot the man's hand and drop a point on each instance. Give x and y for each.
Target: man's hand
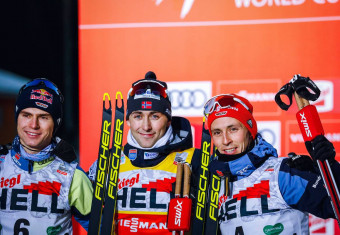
(300, 162)
(5, 148)
(320, 148)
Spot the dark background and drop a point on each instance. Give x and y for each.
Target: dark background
(39, 38)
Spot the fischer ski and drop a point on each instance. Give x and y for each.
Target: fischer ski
(213, 203)
(198, 223)
(101, 172)
(113, 172)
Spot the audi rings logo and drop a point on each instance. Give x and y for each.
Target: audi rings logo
(188, 98)
(271, 132)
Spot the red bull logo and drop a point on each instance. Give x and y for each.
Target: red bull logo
(42, 95)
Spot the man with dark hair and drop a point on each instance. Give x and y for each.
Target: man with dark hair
(156, 142)
(267, 194)
(41, 185)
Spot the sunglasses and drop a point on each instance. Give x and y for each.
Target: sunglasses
(222, 101)
(148, 89)
(47, 83)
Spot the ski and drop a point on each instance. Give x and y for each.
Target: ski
(213, 203)
(198, 223)
(113, 171)
(101, 172)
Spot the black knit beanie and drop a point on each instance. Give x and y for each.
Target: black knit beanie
(42, 94)
(147, 101)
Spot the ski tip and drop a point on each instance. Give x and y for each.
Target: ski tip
(106, 95)
(119, 93)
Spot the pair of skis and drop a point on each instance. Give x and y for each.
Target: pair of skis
(106, 181)
(205, 220)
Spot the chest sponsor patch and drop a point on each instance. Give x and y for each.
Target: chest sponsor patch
(180, 157)
(150, 155)
(132, 154)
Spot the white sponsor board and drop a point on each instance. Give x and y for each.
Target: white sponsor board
(325, 103)
(271, 132)
(188, 98)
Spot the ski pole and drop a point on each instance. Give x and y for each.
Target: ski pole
(180, 208)
(304, 89)
(310, 126)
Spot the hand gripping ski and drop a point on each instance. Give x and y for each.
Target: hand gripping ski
(310, 126)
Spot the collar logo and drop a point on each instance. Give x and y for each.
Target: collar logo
(132, 154)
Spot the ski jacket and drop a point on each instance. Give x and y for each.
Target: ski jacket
(41, 197)
(268, 197)
(146, 182)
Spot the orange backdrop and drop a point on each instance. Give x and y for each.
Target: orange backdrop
(203, 48)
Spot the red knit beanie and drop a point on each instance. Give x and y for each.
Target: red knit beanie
(231, 105)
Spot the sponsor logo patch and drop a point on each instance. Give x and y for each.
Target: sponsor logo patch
(132, 154)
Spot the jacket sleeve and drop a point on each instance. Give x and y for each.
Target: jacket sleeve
(304, 191)
(80, 197)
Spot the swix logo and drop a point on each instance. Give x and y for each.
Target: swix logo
(10, 182)
(128, 182)
(178, 209)
(304, 122)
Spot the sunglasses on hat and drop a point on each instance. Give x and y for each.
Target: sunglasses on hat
(222, 101)
(148, 89)
(43, 81)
